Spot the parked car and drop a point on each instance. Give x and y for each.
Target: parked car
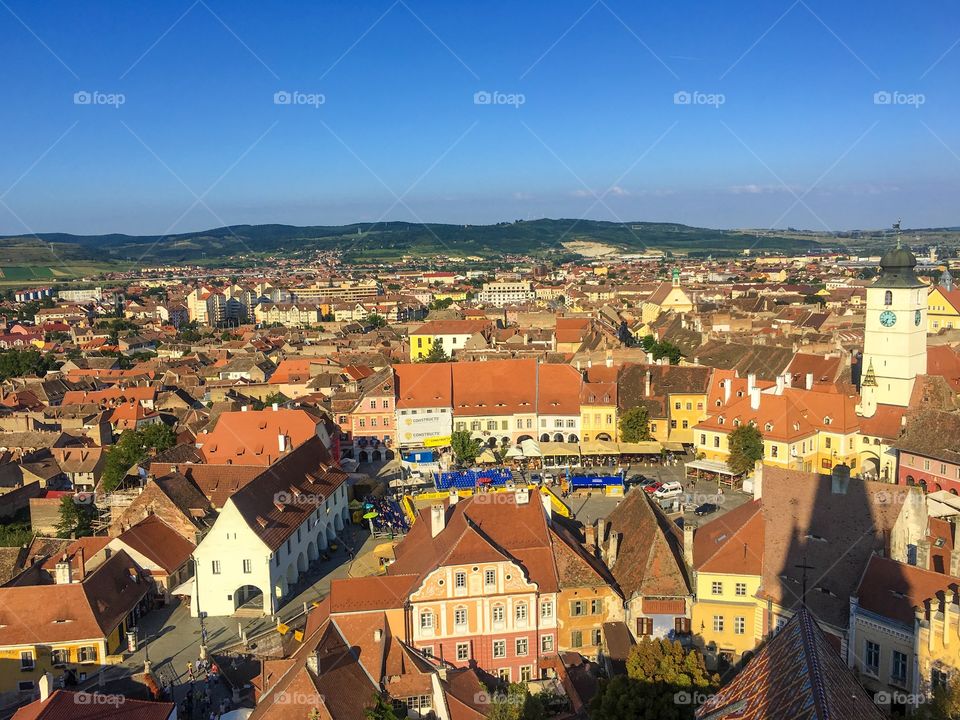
(706, 509)
(652, 487)
(668, 490)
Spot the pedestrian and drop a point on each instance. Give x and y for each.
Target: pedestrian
(190, 670)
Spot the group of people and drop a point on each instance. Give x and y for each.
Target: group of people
(199, 702)
(390, 517)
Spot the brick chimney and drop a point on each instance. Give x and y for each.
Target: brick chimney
(438, 519)
(689, 527)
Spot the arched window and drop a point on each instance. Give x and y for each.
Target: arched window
(888, 297)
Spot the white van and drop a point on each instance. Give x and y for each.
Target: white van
(668, 490)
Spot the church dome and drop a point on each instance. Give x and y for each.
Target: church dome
(896, 269)
(898, 258)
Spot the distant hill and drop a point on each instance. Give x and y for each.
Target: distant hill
(367, 241)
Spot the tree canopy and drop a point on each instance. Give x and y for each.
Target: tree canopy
(746, 448)
(76, 516)
(635, 425)
(133, 447)
(436, 355)
(465, 448)
(663, 682)
(661, 349)
(22, 363)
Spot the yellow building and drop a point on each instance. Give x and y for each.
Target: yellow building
(598, 411)
(675, 397)
(943, 309)
(727, 557)
(452, 335)
(69, 625)
(806, 430)
(666, 297)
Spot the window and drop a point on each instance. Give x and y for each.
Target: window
(499, 648)
(247, 566)
(673, 424)
(938, 678)
(373, 404)
(87, 653)
(595, 636)
(739, 625)
(596, 607)
(741, 589)
(426, 620)
(653, 427)
(463, 651)
(644, 626)
(25, 686)
(828, 442)
(26, 660)
(522, 647)
(373, 422)
(460, 580)
(898, 667)
(774, 451)
(526, 673)
(871, 657)
(490, 578)
(716, 441)
(576, 639)
(686, 424)
(386, 404)
(718, 623)
(546, 643)
(59, 656)
(427, 651)
(546, 609)
(215, 567)
(498, 614)
(460, 618)
(504, 674)
(363, 423)
(716, 588)
(703, 438)
(520, 613)
(578, 608)
(888, 298)
(676, 406)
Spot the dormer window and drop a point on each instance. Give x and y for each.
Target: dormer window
(721, 420)
(736, 422)
(828, 420)
(768, 427)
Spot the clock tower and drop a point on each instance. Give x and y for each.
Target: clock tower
(895, 337)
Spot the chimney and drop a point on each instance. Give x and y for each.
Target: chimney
(522, 496)
(609, 358)
(243, 408)
(840, 479)
(81, 562)
(46, 686)
(788, 379)
(62, 573)
(438, 519)
(547, 508)
(809, 381)
(612, 548)
(751, 381)
(377, 635)
(727, 389)
(758, 481)
(755, 398)
(454, 497)
(590, 536)
(281, 442)
(649, 358)
(689, 526)
(646, 383)
(276, 406)
(781, 383)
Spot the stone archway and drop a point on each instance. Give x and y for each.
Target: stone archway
(248, 597)
(291, 577)
(301, 563)
(312, 554)
(545, 438)
(337, 523)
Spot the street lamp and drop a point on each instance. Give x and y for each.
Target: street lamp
(200, 613)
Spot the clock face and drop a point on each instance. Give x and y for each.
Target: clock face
(887, 318)
(916, 318)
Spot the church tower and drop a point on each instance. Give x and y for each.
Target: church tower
(895, 337)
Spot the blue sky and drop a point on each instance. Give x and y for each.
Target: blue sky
(782, 127)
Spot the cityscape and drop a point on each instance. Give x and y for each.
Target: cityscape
(463, 362)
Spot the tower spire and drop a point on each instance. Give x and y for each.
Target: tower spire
(896, 226)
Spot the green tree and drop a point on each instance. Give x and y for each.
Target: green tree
(746, 448)
(21, 363)
(436, 355)
(465, 448)
(944, 703)
(375, 321)
(516, 704)
(381, 710)
(661, 349)
(635, 425)
(663, 682)
(133, 447)
(76, 516)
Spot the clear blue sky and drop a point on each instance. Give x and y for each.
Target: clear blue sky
(798, 116)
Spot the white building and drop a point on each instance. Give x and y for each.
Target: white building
(506, 292)
(895, 336)
(270, 532)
